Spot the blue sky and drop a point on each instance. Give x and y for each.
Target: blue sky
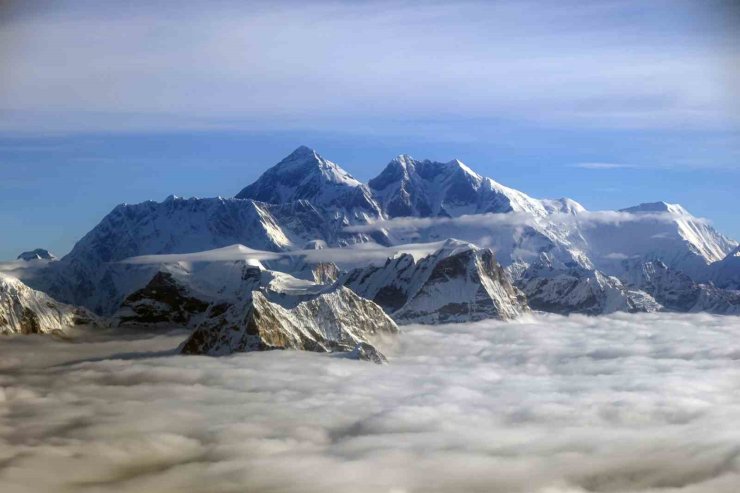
(611, 103)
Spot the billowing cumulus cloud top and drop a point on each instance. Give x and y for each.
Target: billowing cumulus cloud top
(624, 403)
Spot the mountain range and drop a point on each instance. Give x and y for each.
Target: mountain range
(488, 251)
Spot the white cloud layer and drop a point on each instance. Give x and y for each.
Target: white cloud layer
(361, 253)
(624, 403)
(495, 220)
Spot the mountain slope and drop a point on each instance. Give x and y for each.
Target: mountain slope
(726, 272)
(565, 289)
(27, 311)
(654, 231)
(333, 321)
(408, 187)
(37, 254)
(241, 306)
(457, 283)
(658, 231)
(676, 291)
(90, 275)
(305, 175)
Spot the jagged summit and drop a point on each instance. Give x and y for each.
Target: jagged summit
(305, 175)
(405, 187)
(241, 306)
(37, 254)
(295, 172)
(26, 311)
(453, 246)
(458, 282)
(409, 187)
(407, 165)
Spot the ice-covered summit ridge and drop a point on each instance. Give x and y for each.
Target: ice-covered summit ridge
(305, 175)
(409, 187)
(301, 166)
(660, 206)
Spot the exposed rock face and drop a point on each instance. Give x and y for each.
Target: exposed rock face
(367, 352)
(240, 306)
(678, 292)
(646, 286)
(325, 272)
(163, 300)
(457, 283)
(334, 321)
(37, 254)
(26, 311)
(577, 290)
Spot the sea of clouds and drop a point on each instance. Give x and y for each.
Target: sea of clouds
(549, 404)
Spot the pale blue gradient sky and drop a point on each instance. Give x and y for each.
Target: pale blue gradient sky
(102, 103)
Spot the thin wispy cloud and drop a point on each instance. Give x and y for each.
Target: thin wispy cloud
(474, 228)
(362, 254)
(512, 219)
(281, 65)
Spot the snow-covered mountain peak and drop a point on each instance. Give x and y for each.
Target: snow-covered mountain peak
(453, 246)
(301, 168)
(563, 205)
(26, 311)
(458, 282)
(37, 254)
(308, 202)
(664, 231)
(409, 187)
(406, 165)
(661, 206)
(403, 161)
(461, 167)
(302, 150)
(305, 175)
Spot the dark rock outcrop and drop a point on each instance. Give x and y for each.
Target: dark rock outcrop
(458, 283)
